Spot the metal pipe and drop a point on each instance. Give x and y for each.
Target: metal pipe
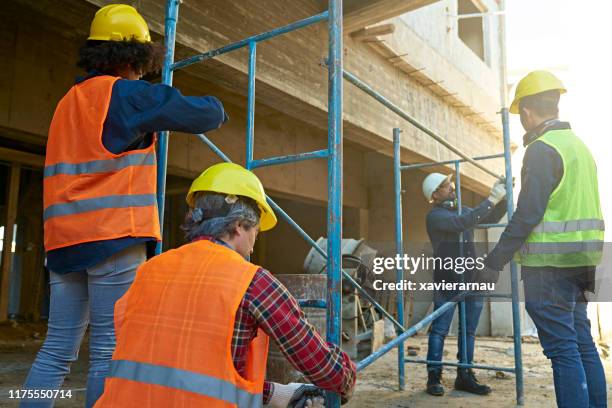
(462, 316)
(250, 129)
(316, 303)
(394, 108)
(516, 322)
(278, 210)
(213, 147)
(334, 183)
(408, 333)
(318, 154)
(486, 226)
(434, 164)
(462, 365)
(172, 7)
(255, 38)
(399, 248)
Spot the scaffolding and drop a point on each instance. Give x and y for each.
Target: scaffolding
(333, 154)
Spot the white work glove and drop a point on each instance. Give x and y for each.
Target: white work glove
(296, 395)
(498, 192)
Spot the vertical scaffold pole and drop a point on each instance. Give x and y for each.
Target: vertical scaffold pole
(399, 248)
(172, 7)
(462, 317)
(516, 318)
(250, 129)
(334, 182)
(514, 280)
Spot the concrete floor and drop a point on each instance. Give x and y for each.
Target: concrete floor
(376, 386)
(18, 347)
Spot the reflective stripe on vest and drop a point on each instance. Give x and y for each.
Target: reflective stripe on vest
(559, 227)
(170, 354)
(184, 380)
(561, 247)
(101, 203)
(101, 166)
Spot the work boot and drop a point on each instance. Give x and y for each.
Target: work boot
(466, 381)
(433, 383)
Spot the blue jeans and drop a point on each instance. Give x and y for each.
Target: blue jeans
(559, 310)
(440, 327)
(79, 299)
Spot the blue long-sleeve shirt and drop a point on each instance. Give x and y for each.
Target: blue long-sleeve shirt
(541, 173)
(444, 227)
(137, 109)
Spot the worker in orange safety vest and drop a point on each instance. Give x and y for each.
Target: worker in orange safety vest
(193, 329)
(100, 213)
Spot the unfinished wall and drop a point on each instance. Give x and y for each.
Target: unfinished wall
(286, 64)
(41, 39)
(438, 26)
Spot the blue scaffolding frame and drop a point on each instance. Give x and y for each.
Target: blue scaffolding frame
(518, 370)
(333, 153)
(398, 168)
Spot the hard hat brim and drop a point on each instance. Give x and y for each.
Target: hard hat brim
(268, 218)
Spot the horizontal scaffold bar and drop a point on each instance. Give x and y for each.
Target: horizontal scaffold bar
(485, 226)
(448, 363)
(256, 38)
(319, 154)
(433, 164)
(318, 303)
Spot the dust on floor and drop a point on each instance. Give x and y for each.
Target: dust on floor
(378, 384)
(376, 387)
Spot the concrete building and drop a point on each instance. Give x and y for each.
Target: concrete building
(441, 69)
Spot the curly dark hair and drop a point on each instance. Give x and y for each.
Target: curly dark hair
(108, 57)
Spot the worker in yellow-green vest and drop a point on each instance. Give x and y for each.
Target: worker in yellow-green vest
(557, 235)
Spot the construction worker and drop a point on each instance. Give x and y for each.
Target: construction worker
(556, 234)
(444, 227)
(193, 329)
(100, 208)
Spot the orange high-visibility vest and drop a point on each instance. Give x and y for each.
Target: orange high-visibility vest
(174, 329)
(91, 194)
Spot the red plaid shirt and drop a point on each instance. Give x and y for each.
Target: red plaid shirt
(269, 305)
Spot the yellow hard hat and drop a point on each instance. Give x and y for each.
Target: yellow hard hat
(119, 22)
(534, 83)
(231, 178)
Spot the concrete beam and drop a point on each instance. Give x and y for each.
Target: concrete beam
(18, 156)
(362, 13)
(372, 33)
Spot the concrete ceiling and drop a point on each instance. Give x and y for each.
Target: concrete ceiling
(362, 13)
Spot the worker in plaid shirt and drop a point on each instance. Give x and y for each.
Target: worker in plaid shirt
(227, 209)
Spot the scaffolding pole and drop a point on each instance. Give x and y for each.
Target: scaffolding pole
(333, 153)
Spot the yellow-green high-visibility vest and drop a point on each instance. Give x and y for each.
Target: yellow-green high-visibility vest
(571, 232)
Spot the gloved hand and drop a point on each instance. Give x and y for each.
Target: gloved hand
(296, 395)
(498, 192)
